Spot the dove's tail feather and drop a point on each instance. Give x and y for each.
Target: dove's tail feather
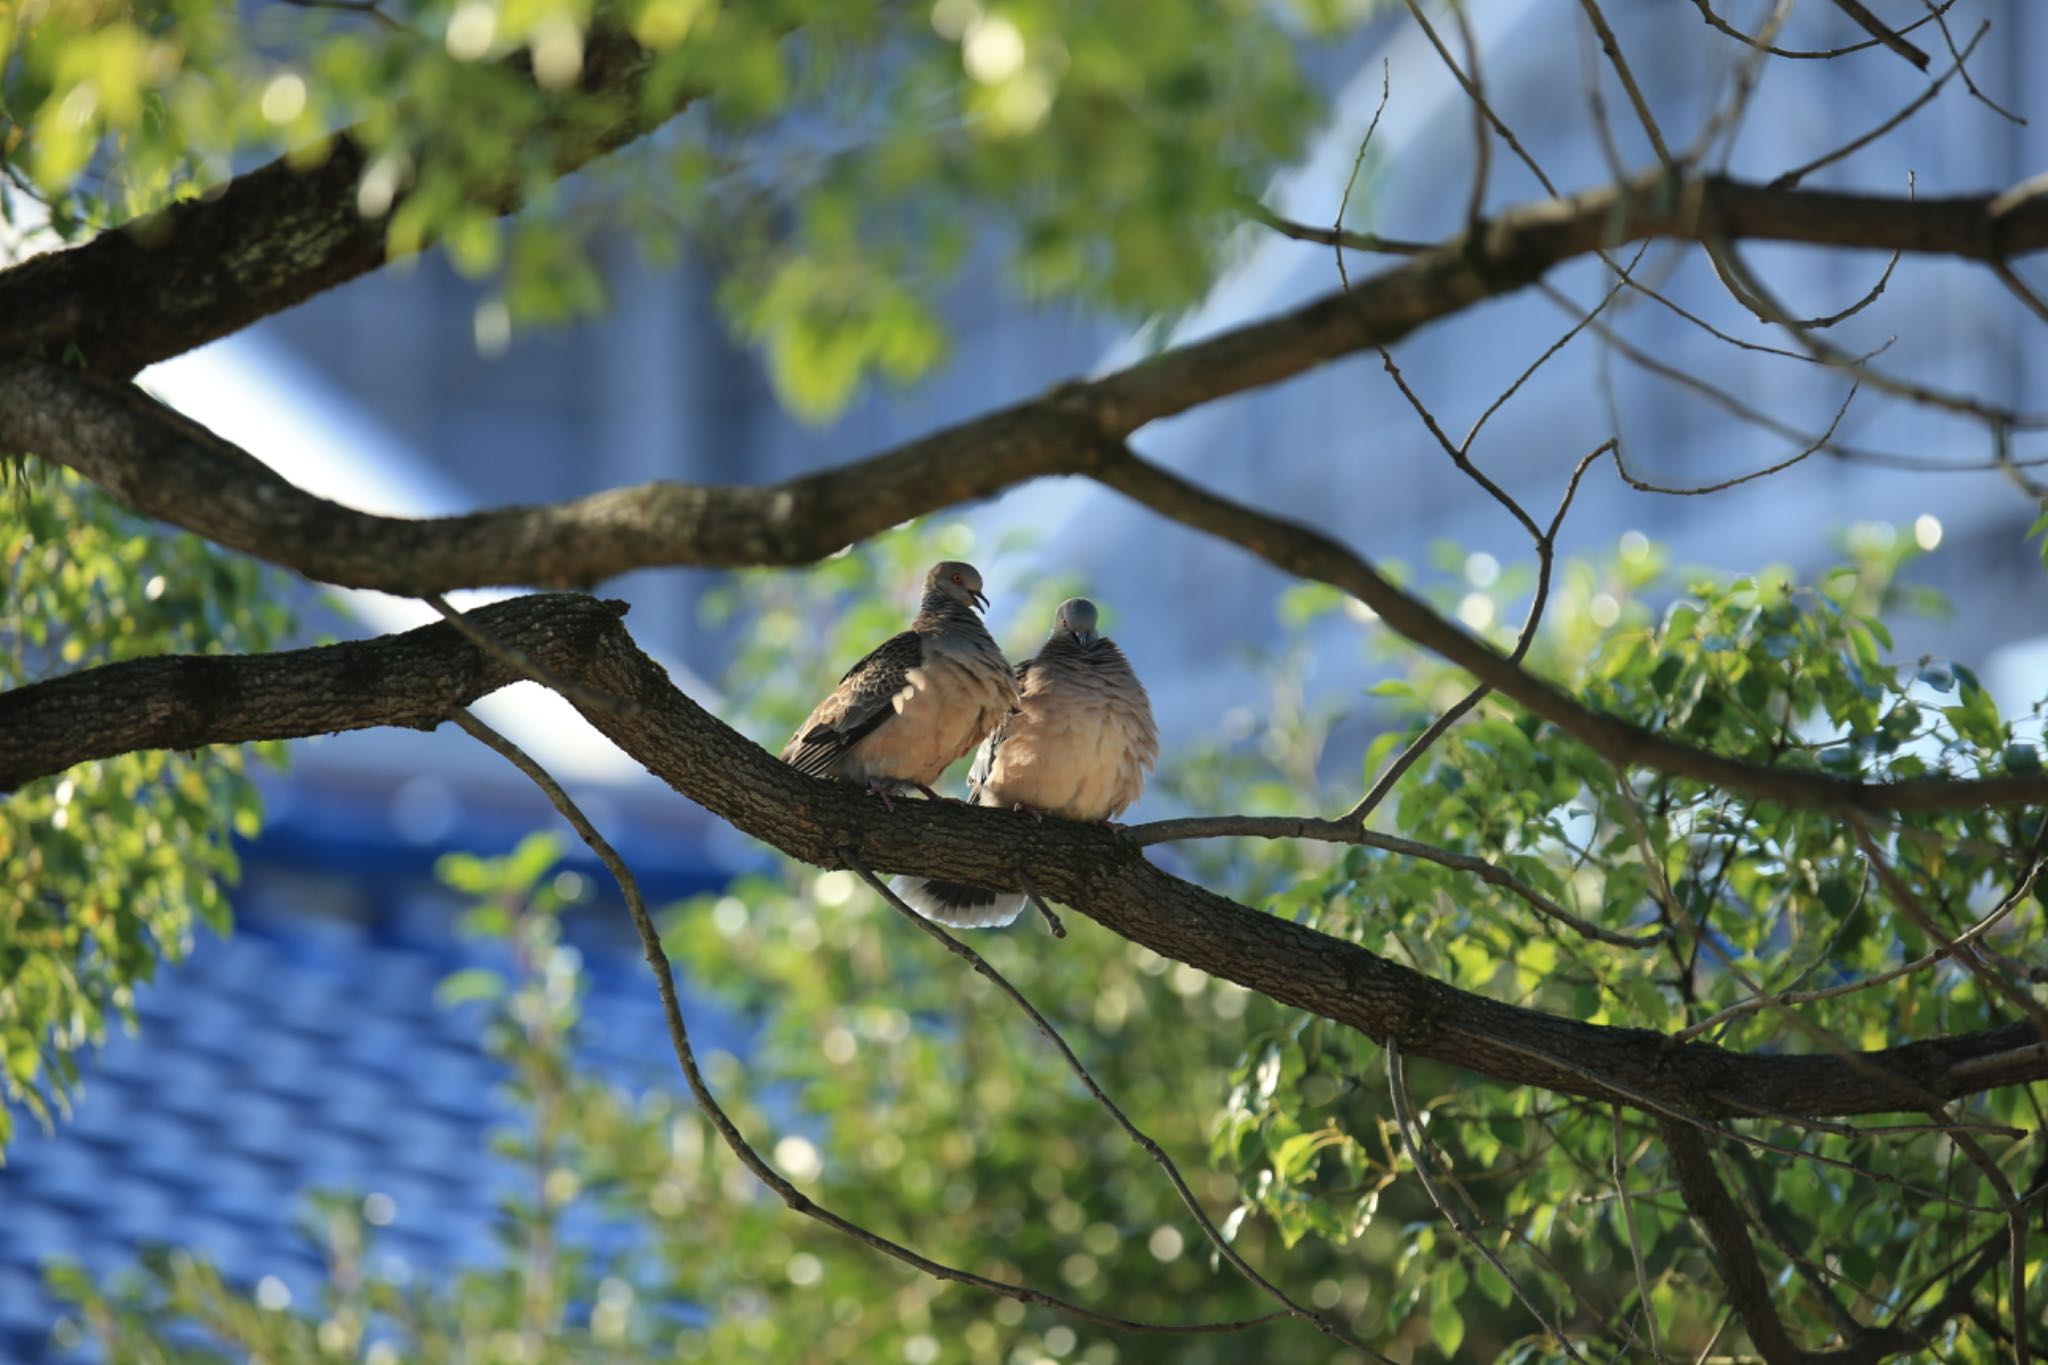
(959, 904)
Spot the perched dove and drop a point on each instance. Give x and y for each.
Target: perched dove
(921, 700)
(1079, 746)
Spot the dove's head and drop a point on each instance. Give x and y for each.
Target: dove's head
(1076, 620)
(961, 582)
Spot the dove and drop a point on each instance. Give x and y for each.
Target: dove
(1078, 746)
(920, 700)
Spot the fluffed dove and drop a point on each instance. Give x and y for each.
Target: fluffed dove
(1078, 745)
(919, 701)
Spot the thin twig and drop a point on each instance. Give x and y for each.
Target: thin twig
(1635, 1245)
(679, 1039)
(1790, 179)
(1876, 291)
(1944, 949)
(1478, 98)
(1642, 485)
(1145, 1143)
(1415, 1144)
(1052, 921)
(1612, 47)
(1334, 237)
(1347, 832)
(1715, 21)
(1902, 896)
(1882, 32)
(2016, 1220)
(1651, 1105)
(521, 663)
(1546, 542)
(2019, 288)
(1750, 289)
(1337, 241)
(1482, 147)
(1949, 40)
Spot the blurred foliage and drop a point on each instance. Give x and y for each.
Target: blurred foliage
(900, 1090)
(109, 865)
(842, 164)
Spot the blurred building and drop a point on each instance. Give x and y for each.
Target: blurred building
(260, 1059)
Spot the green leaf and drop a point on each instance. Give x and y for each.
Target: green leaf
(1446, 1323)
(471, 983)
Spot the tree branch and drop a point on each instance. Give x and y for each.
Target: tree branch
(276, 236)
(424, 675)
(167, 466)
(183, 701)
(728, 1131)
(1748, 1291)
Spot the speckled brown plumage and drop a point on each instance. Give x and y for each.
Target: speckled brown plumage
(916, 703)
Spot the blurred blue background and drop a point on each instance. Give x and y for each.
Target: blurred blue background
(308, 1053)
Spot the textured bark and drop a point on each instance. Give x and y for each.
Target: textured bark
(1749, 1289)
(165, 466)
(278, 235)
(184, 701)
(270, 238)
(418, 678)
(162, 464)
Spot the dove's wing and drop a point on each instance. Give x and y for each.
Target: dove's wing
(857, 707)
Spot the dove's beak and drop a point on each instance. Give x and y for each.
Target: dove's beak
(980, 598)
(1086, 638)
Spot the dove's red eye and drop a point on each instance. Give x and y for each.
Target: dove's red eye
(956, 578)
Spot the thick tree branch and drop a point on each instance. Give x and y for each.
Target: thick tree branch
(1748, 1289)
(437, 669)
(278, 235)
(169, 467)
(184, 701)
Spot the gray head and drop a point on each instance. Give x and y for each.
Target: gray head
(961, 582)
(1076, 620)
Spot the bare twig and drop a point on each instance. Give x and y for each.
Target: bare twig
(1339, 238)
(2019, 288)
(679, 1039)
(1619, 1172)
(1716, 22)
(1482, 147)
(1939, 16)
(1883, 33)
(1337, 235)
(1791, 178)
(1346, 831)
(1415, 1144)
(1967, 954)
(1145, 1143)
(524, 663)
(1945, 948)
(1612, 47)
(1820, 443)
(1546, 544)
(1753, 293)
(1876, 291)
(1052, 921)
(1478, 97)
